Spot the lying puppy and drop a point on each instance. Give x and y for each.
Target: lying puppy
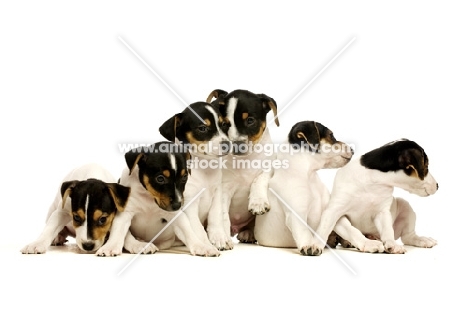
(84, 208)
(199, 128)
(248, 167)
(157, 176)
(363, 194)
(299, 195)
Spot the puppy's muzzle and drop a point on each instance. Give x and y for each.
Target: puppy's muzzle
(88, 246)
(240, 148)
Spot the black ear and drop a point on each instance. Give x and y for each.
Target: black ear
(270, 104)
(217, 94)
(305, 133)
(411, 162)
(67, 189)
(119, 194)
(169, 128)
(133, 158)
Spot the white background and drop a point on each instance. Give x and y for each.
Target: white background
(71, 92)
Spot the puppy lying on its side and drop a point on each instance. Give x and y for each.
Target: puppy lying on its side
(363, 195)
(84, 208)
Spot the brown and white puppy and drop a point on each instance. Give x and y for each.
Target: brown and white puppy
(199, 129)
(363, 195)
(249, 165)
(297, 194)
(84, 208)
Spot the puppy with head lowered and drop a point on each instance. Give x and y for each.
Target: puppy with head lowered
(298, 196)
(84, 208)
(157, 175)
(363, 195)
(249, 165)
(199, 129)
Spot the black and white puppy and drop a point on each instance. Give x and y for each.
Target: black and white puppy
(363, 194)
(248, 166)
(299, 195)
(199, 129)
(84, 208)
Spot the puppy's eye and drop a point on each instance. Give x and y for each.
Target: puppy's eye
(161, 179)
(184, 178)
(203, 128)
(250, 121)
(225, 125)
(102, 220)
(77, 219)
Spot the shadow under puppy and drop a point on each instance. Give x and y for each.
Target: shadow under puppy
(249, 165)
(297, 194)
(157, 175)
(84, 208)
(362, 195)
(200, 129)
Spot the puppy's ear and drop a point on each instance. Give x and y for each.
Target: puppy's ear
(169, 128)
(133, 158)
(305, 133)
(119, 194)
(66, 190)
(217, 94)
(411, 161)
(270, 104)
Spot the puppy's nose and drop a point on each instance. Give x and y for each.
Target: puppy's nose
(88, 246)
(239, 147)
(437, 186)
(225, 147)
(176, 205)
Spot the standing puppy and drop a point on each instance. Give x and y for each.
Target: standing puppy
(84, 208)
(199, 129)
(299, 195)
(363, 194)
(248, 166)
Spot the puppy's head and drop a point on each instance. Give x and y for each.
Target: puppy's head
(201, 127)
(311, 136)
(162, 171)
(407, 160)
(245, 116)
(94, 204)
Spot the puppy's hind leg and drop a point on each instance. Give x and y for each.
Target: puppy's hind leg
(405, 224)
(247, 234)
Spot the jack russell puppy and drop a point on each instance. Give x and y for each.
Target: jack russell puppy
(297, 194)
(249, 165)
(363, 194)
(84, 208)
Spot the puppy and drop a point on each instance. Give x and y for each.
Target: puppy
(157, 175)
(248, 166)
(199, 128)
(299, 195)
(84, 208)
(363, 195)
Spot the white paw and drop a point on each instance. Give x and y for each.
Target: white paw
(372, 246)
(221, 241)
(311, 250)
(109, 251)
(140, 247)
(35, 248)
(258, 206)
(392, 247)
(422, 241)
(205, 250)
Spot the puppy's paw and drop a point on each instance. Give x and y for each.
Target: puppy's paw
(422, 241)
(258, 206)
(140, 247)
(204, 250)
(221, 241)
(372, 246)
(59, 240)
(34, 248)
(392, 247)
(246, 236)
(311, 250)
(109, 251)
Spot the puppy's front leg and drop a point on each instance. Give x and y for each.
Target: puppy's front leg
(119, 229)
(218, 216)
(384, 223)
(133, 246)
(347, 231)
(258, 197)
(57, 220)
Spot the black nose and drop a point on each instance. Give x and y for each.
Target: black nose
(88, 246)
(225, 147)
(239, 147)
(176, 205)
(437, 186)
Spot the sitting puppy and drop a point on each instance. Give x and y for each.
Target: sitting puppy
(84, 208)
(363, 195)
(199, 129)
(298, 195)
(248, 167)
(157, 175)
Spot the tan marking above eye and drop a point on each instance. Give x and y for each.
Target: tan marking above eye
(207, 122)
(81, 213)
(245, 115)
(167, 173)
(182, 172)
(97, 214)
(100, 232)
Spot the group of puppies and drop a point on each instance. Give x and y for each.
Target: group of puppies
(190, 190)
